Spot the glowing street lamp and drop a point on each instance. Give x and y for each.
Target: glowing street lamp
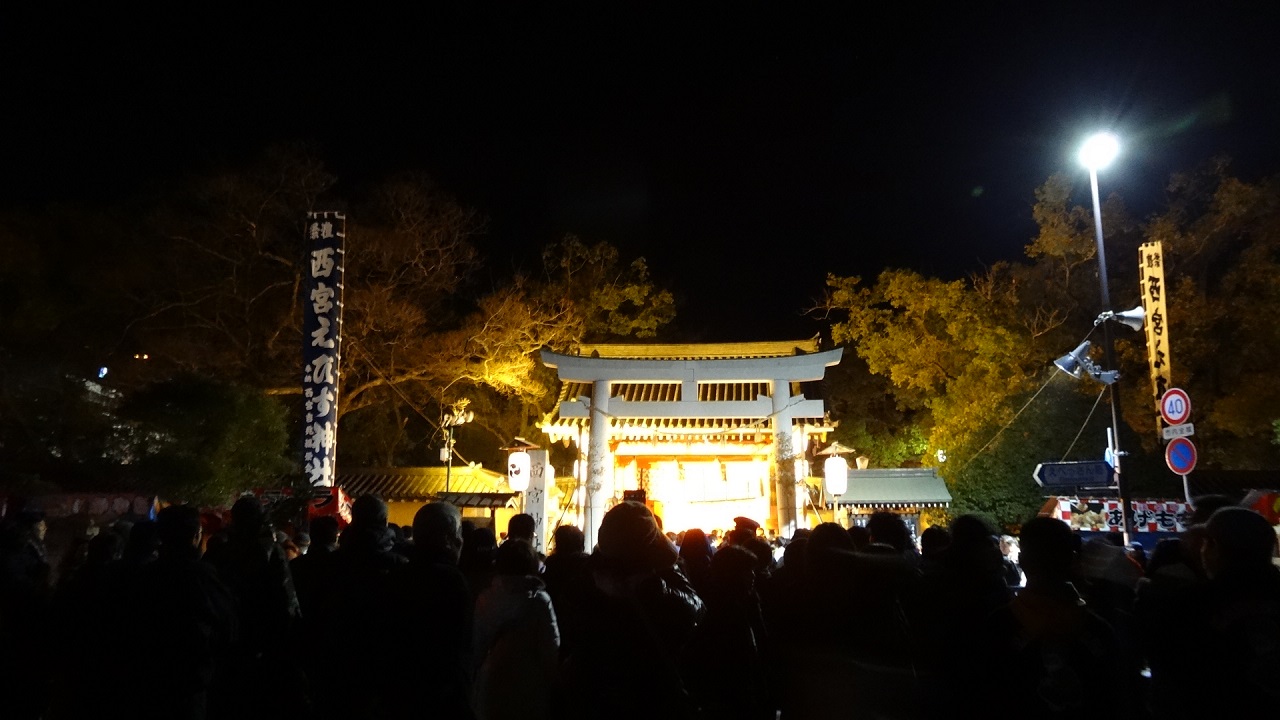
(1097, 153)
(459, 415)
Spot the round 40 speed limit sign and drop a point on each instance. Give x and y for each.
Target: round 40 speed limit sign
(1175, 406)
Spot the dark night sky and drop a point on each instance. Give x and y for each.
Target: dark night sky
(746, 150)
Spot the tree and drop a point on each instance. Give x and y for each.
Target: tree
(1221, 240)
(612, 301)
(213, 280)
(59, 322)
(202, 441)
(962, 357)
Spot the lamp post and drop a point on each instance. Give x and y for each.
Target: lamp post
(459, 415)
(1097, 153)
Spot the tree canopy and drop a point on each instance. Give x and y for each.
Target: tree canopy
(968, 362)
(211, 283)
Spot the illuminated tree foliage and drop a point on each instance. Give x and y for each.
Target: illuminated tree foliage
(1221, 239)
(963, 357)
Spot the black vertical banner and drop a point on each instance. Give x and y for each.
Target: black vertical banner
(322, 343)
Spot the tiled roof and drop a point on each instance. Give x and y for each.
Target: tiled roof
(423, 483)
(896, 487)
(672, 392)
(701, 351)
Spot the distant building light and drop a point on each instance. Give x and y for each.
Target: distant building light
(102, 372)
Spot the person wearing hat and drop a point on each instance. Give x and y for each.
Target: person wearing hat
(641, 615)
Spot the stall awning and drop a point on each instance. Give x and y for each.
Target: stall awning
(895, 488)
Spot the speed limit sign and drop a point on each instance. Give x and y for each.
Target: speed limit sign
(1175, 406)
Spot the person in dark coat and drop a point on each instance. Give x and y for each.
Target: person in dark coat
(190, 619)
(26, 591)
(1049, 655)
(256, 569)
(357, 608)
(90, 599)
(643, 613)
(568, 582)
(516, 642)
(313, 568)
(430, 611)
(1235, 640)
(695, 558)
(738, 687)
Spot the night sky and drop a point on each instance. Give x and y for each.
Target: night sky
(745, 150)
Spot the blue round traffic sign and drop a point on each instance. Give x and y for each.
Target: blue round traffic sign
(1180, 456)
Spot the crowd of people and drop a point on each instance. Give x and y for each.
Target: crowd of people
(440, 620)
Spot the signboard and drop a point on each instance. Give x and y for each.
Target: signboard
(1160, 516)
(319, 500)
(1175, 406)
(1089, 473)
(1180, 455)
(321, 344)
(1091, 515)
(1103, 515)
(1176, 431)
(1151, 285)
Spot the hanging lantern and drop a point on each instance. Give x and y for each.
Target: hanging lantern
(518, 471)
(836, 471)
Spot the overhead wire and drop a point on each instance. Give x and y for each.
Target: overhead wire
(1085, 423)
(1008, 424)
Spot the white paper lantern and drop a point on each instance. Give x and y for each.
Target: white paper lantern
(837, 475)
(518, 471)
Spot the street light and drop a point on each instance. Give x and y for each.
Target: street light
(1098, 152)
(459, 415)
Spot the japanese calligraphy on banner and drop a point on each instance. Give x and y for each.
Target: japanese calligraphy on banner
(319, 501)
(321, 343)
(1103, 515)
(536, 498)
(1151, 281)
(1160, 516)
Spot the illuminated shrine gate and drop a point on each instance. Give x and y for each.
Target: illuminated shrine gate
(709, 431)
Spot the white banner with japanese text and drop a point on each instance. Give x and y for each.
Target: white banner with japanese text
(1151, 282)
(321, 343)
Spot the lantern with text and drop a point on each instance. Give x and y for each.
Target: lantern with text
(835, 471)
(519, 465)
(518, 471)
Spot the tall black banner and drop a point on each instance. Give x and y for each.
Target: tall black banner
(322, 343)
